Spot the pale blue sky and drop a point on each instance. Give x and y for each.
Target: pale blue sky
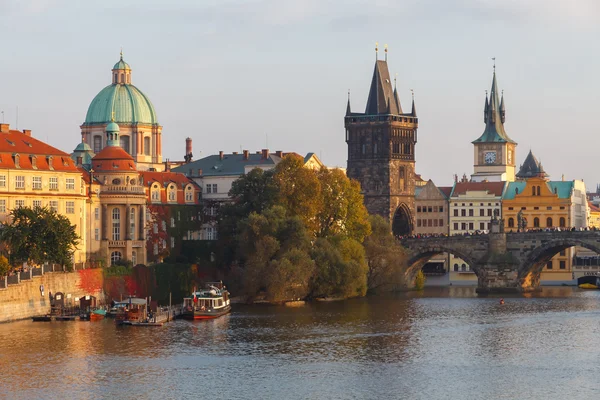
(228, 73)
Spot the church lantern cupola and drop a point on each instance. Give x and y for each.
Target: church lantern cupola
(121, 72)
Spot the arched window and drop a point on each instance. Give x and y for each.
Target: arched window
(124, 142)
(116, 78)
(133, 257)
(562, 223)
(463, 267)
(172, 193)
(549, 222)
(155, 193)
(116, 217)
(97, 143)
(455, 267)
(147, 146)
(536, 222)
(115, 256)
(538, 190)
(511, 222)
(533, 190)
(132, 223)
(122, 78)
(189, 193)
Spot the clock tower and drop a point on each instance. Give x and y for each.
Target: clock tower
(494, 150)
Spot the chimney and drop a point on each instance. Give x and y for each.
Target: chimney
(27, 132)
(79, 161)
(167, 166)
(246, 154)
(221, 156)
(188, 145)
(279, 153)
(235, 153)
(4, 128)
(265, 153)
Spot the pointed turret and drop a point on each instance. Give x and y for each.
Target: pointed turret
(348, 109)
(502, 109)
(486, 108)
(414, 108)
(494, 118)
(531, 167)
(397, 98)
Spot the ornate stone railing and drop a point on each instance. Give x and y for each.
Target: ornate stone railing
(123, 189)
(116, 243)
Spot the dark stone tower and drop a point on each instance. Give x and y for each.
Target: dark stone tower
(381, 152)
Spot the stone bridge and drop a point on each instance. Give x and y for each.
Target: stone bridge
(503, 262)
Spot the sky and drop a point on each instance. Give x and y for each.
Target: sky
(250, 74)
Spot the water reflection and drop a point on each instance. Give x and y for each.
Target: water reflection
(441, 343)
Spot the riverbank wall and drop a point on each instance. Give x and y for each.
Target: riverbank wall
(25, 300)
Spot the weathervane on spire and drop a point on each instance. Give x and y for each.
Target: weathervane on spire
(112, 117)
(395, 77)
(412, 92)
(494, 60)
(376, 50)
(121, 52)
(385, 50)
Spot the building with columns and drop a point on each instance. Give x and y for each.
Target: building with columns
(126, 105)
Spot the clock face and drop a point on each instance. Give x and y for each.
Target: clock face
(490, 157)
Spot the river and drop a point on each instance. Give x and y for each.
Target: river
(444, 343)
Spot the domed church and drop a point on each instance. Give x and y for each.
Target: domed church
(131, 109)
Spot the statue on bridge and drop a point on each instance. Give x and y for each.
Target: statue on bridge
(521, 221)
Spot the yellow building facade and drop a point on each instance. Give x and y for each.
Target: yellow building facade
(535, 203)
(33, 173)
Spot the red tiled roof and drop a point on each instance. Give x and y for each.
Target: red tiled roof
(495, 188)
(446, 190)
(593, 207)
(113, 158)
(16, 142)
(179, 179)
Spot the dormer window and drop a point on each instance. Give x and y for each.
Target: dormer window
(172, 195)
(17, 161)
(34, 162)
(50, 160)
(155, 193)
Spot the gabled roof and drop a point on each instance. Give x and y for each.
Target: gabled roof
(429, 191)
(494, 116)
(562, 188)
(446, 190)
(13, 143)
(179, 179)
(593, 208)
(495, 188)
(531, 167)
(229, 165)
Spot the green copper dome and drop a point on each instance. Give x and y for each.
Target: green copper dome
(121, 65)
(129, 104)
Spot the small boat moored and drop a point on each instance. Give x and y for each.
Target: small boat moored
(211, 302)
(589, 282)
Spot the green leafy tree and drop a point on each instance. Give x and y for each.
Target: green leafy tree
(343, 212)
(288, 277)
(37, 235)
(299, 190)
(385, 257)
(420, 280)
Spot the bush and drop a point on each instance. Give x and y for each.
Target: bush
(420, 280)
(4, 266)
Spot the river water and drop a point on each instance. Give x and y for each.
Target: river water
(441, 344)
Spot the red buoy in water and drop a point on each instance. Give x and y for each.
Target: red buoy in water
(501, 301)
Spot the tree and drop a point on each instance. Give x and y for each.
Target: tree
(385, 257)
(343, 212)
(299, 190)
(420, 280)
(289, 276)
(37, 235)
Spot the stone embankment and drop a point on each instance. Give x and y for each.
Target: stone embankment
(24, 300)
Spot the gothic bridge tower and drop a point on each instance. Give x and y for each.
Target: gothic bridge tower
(381, 151)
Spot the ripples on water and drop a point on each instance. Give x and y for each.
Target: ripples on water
(442, 344)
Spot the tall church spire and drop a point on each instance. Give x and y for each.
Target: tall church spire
(494, 117)
(348, 109)
(381, 92)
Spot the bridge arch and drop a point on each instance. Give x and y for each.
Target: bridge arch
(419, 255)
(531, 268)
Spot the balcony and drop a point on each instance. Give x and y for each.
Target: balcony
(123, 189)
(117, 243)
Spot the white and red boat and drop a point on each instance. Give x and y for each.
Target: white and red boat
(210, 302)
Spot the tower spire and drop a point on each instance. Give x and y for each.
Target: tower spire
(376, 51)
(348, 109)
(414, 108)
